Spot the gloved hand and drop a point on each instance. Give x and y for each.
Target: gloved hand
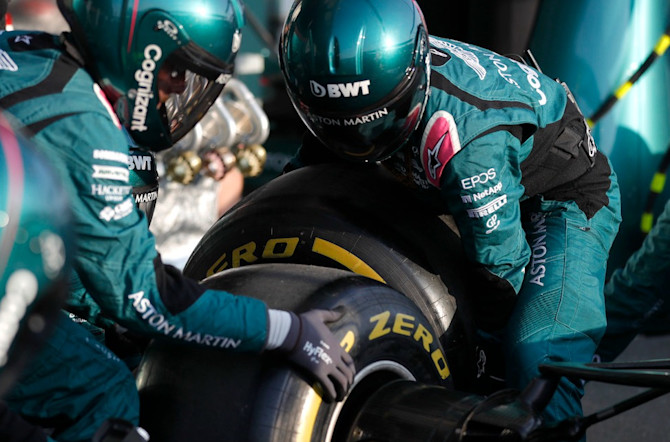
(119, 430)
(311, 345)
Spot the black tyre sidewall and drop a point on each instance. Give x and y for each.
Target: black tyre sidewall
(387, 327)
(403, 241)
(189, 391)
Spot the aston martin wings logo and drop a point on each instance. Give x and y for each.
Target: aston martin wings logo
(468, 57)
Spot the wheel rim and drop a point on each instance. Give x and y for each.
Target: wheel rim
(367, 381)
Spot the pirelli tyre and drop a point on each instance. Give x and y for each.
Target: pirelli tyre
(358, 219)
(194, 393)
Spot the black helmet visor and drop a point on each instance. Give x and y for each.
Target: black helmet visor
(202, 78)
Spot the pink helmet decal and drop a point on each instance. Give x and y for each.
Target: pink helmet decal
(439, 144)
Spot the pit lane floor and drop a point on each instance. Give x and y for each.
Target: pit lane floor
(648, 422)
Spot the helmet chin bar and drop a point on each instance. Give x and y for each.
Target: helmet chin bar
(233, 130)
(355, 155)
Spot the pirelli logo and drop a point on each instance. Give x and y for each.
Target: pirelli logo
(490, 208)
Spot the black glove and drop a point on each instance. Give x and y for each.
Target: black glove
(119, 430)
(492, 299)
(311, 345)
(13, 428)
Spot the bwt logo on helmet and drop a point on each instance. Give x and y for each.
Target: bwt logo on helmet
(340, 90)
(145, 81)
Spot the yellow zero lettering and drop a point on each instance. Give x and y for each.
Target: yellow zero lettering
(440, 363)
(403, 324)
(215, 268)
(272, 249)
(348, 341)
(380, 328)
(422, 334)
(245, 252)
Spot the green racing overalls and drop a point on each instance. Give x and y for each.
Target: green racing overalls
(77, 383)
(506, 151)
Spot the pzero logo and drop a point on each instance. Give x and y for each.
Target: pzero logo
(386, 323)
(145, 81)
(439, 144)
(340, 90)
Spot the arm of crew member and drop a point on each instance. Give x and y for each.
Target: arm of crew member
(482, 189)
(120, 268)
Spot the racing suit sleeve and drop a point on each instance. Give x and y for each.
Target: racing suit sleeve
(117, 262)
(482, 188)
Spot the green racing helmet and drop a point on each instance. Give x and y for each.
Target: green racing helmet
(35, 243)
(125, 44)
(357, 72)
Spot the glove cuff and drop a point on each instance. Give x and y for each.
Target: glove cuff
(293, 334)
(280, 323)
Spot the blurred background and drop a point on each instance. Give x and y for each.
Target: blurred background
(592, 45)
